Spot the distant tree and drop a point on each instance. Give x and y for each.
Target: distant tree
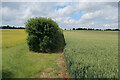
(65, 29)
(108, 29)
(98, 29)
(8, 26)
(116, 29)
(81, 29)
(73, 28)
(70, 29)
(90, 29)
(13, 27)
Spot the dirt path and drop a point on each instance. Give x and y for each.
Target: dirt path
(52, 73)
(62, 65)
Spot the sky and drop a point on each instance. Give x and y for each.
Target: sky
(68, 15)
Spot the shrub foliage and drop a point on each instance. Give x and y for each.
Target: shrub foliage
(44, 35)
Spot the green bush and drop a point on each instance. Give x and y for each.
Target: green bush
(44, 35)
(33, 43)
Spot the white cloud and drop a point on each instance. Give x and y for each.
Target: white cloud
(107, 25)
(26, 14)
(61, 0)
(90, 12)
(92, 15)
(64, 11)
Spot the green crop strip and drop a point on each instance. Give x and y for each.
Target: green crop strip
(91, 54)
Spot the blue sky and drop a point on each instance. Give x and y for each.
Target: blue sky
(58, 7)
(76, 15)
(66, 14)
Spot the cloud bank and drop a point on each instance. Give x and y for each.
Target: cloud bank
(66, 14)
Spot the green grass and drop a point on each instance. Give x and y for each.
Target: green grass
(92, 54)
(18, 61)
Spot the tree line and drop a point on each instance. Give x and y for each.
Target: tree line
(10, 27)
(13, 27)
(93, 29)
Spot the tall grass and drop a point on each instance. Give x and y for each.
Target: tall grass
(18, 61)
(13, 37)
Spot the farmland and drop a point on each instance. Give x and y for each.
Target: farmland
(91, 54)
(88, 54)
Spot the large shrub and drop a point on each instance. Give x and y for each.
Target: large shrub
(44, 35)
